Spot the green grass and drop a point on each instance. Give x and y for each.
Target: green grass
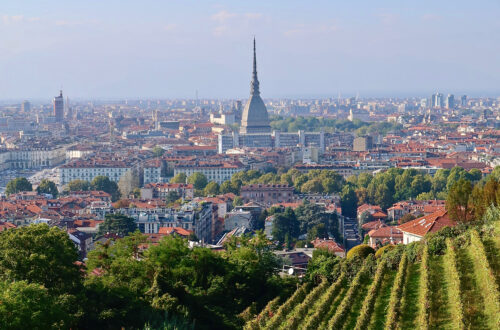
(333, 307)
(471, 295)
(382, 302)
(440, 315)
(492, 248)
(355, 309)
(410, 307)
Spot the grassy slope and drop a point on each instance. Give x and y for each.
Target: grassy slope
(333, 307)
(380, 308)
(471, 295)
(410, 307)
(350, 322)
(440, 317)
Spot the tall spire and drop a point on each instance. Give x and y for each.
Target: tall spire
(254, 85)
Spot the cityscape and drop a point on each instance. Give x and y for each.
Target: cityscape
(341, 211)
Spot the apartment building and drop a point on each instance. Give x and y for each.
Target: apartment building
(218, 172)
(89, 169)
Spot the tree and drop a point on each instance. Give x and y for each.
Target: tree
(237, 201)
(407, 217)
(129, 181)
(312, 186)
(361, 250)
(211, 189)
(40, 254)
(117, 224)
(47, 187)
(172, 196)
(103, 183)
(285, 226)
(475, 175)
(158, 151)
(439, 180)
(17, 185)
(230, 187)
(78, 185)
(198, 180)
(318, 231)
(348, 201)
(179, 178)
(31, 306)
(458, 202)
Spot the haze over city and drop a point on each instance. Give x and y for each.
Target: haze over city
(249, 165)
(157, 49)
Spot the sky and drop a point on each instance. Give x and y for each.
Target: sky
(171, 49)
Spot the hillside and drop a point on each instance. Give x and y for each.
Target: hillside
(448, 281)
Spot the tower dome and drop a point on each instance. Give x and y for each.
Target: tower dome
(255, 118)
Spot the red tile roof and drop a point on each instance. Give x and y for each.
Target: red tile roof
(427, 224)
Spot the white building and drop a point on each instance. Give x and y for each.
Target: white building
(88, 170)
(218, 172)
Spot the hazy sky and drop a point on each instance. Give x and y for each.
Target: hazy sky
(170, 49)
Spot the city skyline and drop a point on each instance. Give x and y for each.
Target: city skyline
(153, 51)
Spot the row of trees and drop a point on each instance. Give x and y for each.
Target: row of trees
(315, 181)
(42, 286)
(311, 124)
(22, 184)
(102, 183)
(384, 188)
(395, 184)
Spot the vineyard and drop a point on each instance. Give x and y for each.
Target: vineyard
(447, 281)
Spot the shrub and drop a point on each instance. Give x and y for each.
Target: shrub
(368, 303)
(361, 250)
(383, 250)
(346, 304)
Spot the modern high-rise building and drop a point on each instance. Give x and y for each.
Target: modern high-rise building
(25, 107)
(59, 108)
(450, 101)
(255, 118)
(463, 101)
(437, 100)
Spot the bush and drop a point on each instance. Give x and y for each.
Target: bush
(383, 250)
(362, 251)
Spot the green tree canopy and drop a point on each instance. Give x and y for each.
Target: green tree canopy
(31, 306)
(78, 185)
(211, 189)
(39, 254)
(179, 178)
(103, 183)
(47, 187)
(458, 202)
(198, 180)
(158, 151)
(285, 225)
(17, 185)
(119, 224)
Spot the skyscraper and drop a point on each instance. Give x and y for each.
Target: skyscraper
(255, 118)
(463, 100)
(25, 107)
(450, 101)
(59, 108)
